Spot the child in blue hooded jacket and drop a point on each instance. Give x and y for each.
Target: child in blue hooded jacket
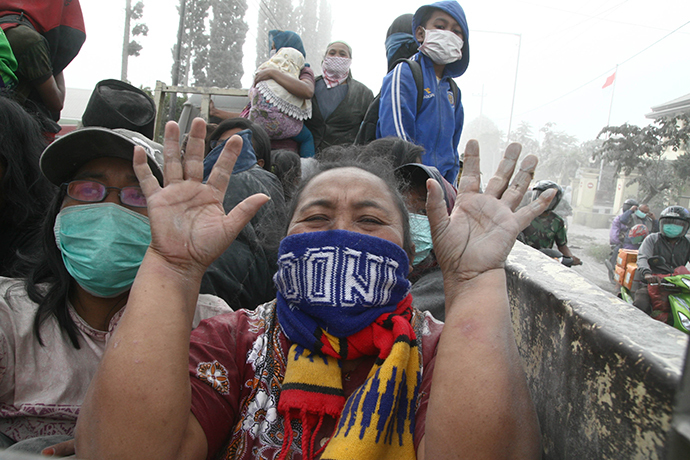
(444, 53)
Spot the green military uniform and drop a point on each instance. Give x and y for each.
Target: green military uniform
(544, 231)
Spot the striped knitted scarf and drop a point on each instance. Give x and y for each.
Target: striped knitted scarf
(343, 295)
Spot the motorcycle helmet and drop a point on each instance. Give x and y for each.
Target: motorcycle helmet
(638, 233)
(629, 203)
(544, 185)
(672, 217)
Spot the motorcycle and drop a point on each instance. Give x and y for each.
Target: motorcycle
(669, 294)
(672, 305)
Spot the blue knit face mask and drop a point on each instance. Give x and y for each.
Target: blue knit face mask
(102, 246)
(672, 230)
(421, 237)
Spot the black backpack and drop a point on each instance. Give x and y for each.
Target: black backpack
(367, 130)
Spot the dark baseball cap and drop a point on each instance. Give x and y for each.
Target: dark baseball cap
(62, 158)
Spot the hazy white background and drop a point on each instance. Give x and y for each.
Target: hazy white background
(568, 48)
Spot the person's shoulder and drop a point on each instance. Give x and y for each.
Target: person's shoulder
(651, 240)
(234, 324)
(358, 84)
(404, 66)
(557, 218)
(13, 290)
(17, 310)
(208, 306)
(428, 330)
(307, 71)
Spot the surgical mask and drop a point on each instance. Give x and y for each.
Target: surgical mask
(421, 237)
(672, 230)
(102, 246)
(442, 46)
(640, 214)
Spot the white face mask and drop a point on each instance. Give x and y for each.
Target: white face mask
(442, 46)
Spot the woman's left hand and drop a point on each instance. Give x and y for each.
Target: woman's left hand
(482, 228)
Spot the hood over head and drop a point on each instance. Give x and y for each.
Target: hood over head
(285, 39)
(453, 8)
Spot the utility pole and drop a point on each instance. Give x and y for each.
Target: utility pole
(176, 66)
(517, 67)
(125, 40)
(512, 104)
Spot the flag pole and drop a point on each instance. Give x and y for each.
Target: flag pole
(613, 90)
(608, 123)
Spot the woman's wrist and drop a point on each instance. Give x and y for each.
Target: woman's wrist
(159, 266)
(479, 285)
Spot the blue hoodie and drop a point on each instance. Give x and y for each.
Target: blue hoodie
(438, 125)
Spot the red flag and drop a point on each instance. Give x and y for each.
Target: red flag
(609, 80)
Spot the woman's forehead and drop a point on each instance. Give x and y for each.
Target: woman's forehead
(339, 46)
(354, 181)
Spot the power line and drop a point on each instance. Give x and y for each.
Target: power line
(270, 17)
(607, 72)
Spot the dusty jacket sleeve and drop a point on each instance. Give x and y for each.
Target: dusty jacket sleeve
(398, 104)
(619, 225)
(644, 253)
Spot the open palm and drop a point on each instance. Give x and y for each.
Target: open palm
(189, 227)
(482, 228)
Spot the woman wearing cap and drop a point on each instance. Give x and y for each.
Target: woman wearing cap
(353, 381)
(340, 102)
(54, 325)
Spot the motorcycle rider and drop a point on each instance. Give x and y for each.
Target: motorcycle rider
(548, 228)
(632, 215)
(671, 243)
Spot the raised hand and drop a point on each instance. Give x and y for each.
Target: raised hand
(481, 230)
(189, 227)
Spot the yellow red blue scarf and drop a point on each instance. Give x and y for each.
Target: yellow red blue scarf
(377, 421)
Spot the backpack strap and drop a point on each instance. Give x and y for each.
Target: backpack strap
(416, 69)
(418, 78)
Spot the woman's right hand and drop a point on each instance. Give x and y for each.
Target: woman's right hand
(264, 74)
(189, 227)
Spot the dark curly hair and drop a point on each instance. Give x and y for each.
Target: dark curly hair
(24, 192)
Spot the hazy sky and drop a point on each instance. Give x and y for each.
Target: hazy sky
(567, 49)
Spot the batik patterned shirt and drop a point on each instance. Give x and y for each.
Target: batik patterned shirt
(237, 364)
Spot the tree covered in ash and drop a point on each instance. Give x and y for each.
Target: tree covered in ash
(211, 43)
(194, 43)
(658, 153)
(311, 19)
(132, 47)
